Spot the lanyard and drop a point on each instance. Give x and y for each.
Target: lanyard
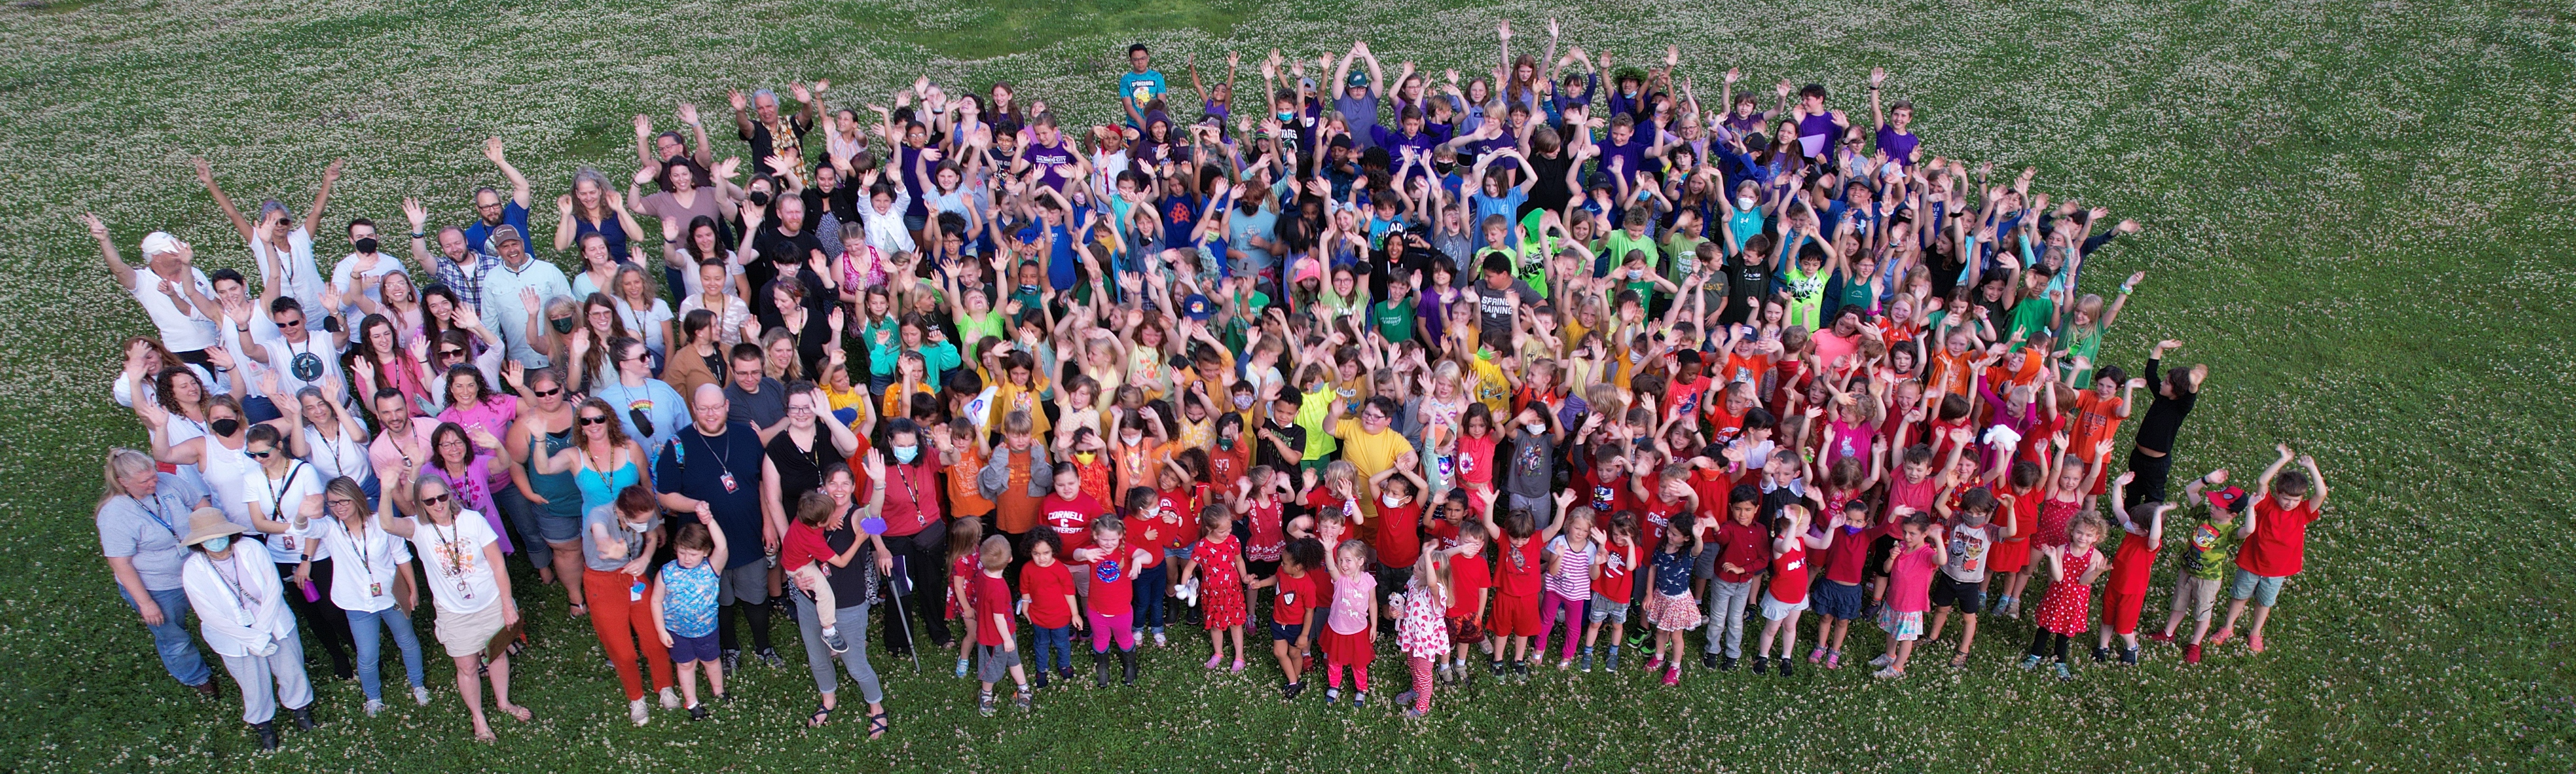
(276, 499)
(365, 563)
(241, 596)
(453, 541)
(155, 513)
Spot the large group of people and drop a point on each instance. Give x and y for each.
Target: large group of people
(1385, 357)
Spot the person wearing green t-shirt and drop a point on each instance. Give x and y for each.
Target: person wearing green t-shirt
(1805, 276)
(1632, 237)
(2033, 315)
(2205, 560)
(1393, 317)
(1540, 233)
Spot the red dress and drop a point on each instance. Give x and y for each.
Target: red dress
(2053, 516)
(2012, 554)
(1220, 590)
(2070, 601)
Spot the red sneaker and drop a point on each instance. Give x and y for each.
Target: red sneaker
(2161, 637)
(2254, 643)
(2191, 654)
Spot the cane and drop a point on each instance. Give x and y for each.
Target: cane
(901, 581)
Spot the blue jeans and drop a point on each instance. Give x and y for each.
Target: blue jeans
(1054, 647)
(178, 649)
(362, 628)
(1151, 585)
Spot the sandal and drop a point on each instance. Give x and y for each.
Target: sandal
(877, 725)
(822, 715)
(1960, 661)
(577, 610)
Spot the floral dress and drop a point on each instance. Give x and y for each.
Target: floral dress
(2070, 601)
(1422, 627)
(1220, 590)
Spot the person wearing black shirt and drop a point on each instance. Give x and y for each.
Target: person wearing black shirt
(1747, 282)
(2176, 392)
(1283, 443)
(757, 121)
(718, 465)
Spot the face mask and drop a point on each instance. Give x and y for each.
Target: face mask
(1132, 440)
(1535, 428)
(1084, 457)
(904, 454)
(218, 544)
(1225, 443)
(1636, 274)
(366, 245)
(1286, 115)
(1391, 500)
(760, 198)
(563, 324)
(1242, 402)
(1444, 167)
(1744, 202)
(225, 426)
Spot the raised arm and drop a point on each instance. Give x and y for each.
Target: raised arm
(492, 150)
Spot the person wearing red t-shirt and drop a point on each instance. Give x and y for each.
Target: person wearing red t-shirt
(1113, 564)
(1837, 601)
(1046, 592)
(1217, 560)
(1786, 597)
(1604, 485)
(2276, 542)
(2142, 531)
(1164, 524)
(1398, 528)
(1667, 497)
(1292, 608)
(997, 646)
(1614, 585)
(1470, 584)
(1520, 544)
(1068, 512)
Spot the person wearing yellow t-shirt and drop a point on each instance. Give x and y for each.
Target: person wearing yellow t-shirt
(1369, 444)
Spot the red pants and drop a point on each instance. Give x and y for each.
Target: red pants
(2120, 610)
(614, 615)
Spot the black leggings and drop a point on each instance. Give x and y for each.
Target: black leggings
(2040, 644)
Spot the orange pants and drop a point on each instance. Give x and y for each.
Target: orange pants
(614, 615)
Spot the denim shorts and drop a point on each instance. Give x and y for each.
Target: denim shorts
(2263, 589)
(1605, 610)
(1836, 600)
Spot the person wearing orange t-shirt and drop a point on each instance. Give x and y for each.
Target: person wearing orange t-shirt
(2098, 414)
(1006, 478)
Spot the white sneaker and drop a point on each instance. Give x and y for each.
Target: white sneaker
(420, 695)
(375, 706)
(635, 711)
(1882, 660)
(670, 699)
(1159, 642)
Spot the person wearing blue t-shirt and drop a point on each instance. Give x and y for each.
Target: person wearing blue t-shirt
(1140, 86)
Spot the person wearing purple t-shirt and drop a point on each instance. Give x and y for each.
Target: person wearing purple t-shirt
(1893, 138)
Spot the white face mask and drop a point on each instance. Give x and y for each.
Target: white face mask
(1744, 202)
(1391, 499)
(1535, 428)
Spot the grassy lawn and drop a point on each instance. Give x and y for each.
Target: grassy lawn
(2357, 214)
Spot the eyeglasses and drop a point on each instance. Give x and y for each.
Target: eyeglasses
(433, 500)
(794, 409)
(594, 420)
(338, 502)
(548, 393)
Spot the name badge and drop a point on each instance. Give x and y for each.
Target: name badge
(635, 593)
(376, 589)
(729, 484)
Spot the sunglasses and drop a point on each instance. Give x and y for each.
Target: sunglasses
(290, 323)
(594, 420)
(449, 352)
(259, 455)
(548, 393)
(434, 500)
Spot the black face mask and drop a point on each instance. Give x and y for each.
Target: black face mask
(225, 426)
(759, 199)
(1444, 167)
(366, 245)
(563, 324)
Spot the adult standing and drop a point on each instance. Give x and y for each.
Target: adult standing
(172, 291)
(904, 490)
(719, 463)
(593, 208)
(2176, 392)
(459, 266)
(140, 526)
(241, 611)
(371, 584)
(549, 504)
(518, 292)
(493, 213)
(651, 411)
(1140, 86)
(854, 588)
(295, 274)
(463, 559)
(282, 495)
(759, 123)
(617, 544)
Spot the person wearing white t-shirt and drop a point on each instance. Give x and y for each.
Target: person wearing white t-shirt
(172, 291)
(282, 495)
(292, 242)
(371, 585)
(463, 561)
(362, 272)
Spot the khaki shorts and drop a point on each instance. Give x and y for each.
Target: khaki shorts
(2198, 595)
(466, 634)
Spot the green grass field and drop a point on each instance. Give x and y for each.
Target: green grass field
(2357, 214)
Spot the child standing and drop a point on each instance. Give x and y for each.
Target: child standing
(1290, 610)
(1521, 543)
(2276, 542)
(1786, 597)
(1838, 599)
(2011, 556)
(684, 608)
(2071, 571)
(1568, 585)
(1218, 558)
(2196, 585)
(1350, 624)
(1909, 589)
(1053, 610)
(1612, 586)
(997, 647)
(1470, 583)
(965, 558)
(1669, 605)
(806, 558)
(1961, 585)
(1114, 564)
(1421, 629)
(2142, 532)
